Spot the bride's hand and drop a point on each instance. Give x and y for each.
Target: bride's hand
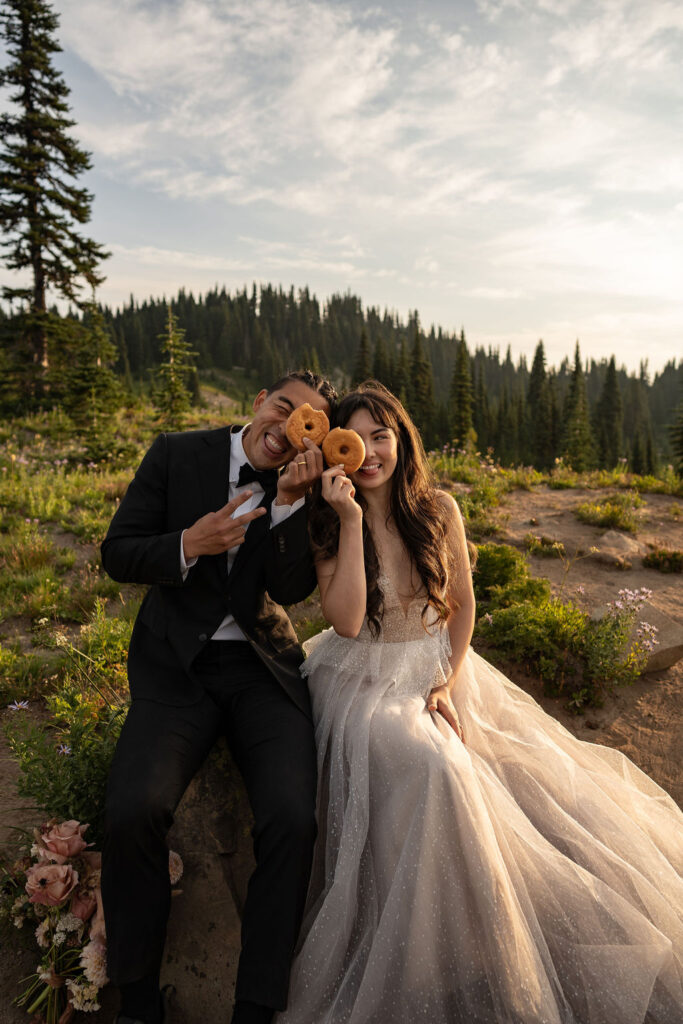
(440, 700)
(338, 491)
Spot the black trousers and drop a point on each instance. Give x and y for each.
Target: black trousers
(159, 751)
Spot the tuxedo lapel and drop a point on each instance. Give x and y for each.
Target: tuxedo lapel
(256, 534)
(213, 468)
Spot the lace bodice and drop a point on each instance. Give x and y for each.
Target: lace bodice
(400, 624)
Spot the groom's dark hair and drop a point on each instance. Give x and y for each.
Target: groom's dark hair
(312, 380)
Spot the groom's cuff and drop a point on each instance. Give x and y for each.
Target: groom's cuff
(278, 513)
(185, 566)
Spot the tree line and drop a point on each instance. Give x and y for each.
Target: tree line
(88, 361)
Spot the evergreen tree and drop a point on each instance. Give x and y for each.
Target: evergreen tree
(676, 434)
(401, 376)
(481, 413)
(537, 430)
(421, 391)
(363, 366)
(173, 398)
(380, 366)
(461, 396)
(41, 208)
(577, 442)
(608, 419)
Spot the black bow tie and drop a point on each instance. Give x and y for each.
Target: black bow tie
(266, 477)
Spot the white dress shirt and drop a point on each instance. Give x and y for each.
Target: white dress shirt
(228, 629)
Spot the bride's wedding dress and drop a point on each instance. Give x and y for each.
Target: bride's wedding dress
(524, 877)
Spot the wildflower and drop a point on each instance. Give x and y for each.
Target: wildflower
(83, 997)
(18, 705)
(41, 933)
(61, 639)
(63, 749)
(581, 589)
(175, 867)
(488, 618)
(18, 921)
(94, 963)
(42, 622)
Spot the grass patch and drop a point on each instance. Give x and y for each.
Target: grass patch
(664, 560)
(616, 511)
(545, 546)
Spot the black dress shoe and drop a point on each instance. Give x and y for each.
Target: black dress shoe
(166, 994)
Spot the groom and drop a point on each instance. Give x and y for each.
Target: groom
(220, 537)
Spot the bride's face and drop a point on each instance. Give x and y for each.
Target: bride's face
(381, 451)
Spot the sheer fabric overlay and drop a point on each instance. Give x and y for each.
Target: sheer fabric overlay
(523, 877)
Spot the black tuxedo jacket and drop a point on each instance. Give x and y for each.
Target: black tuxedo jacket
(181, 478)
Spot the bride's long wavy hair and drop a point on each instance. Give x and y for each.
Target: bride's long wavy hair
(420, 516)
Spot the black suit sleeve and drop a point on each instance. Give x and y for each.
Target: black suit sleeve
(290, 573)
(138, 547)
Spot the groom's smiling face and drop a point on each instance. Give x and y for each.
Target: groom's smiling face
(265, 442)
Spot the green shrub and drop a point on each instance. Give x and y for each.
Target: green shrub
(64, 765)
(502, 577)
(572, 653)
(26, 676)
(615, 511)
(664, 560)
(546, 546)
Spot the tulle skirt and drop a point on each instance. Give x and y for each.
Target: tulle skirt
(523, 877)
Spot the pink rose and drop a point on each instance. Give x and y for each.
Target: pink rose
(83, 905)
(62, 841)
(50, 884)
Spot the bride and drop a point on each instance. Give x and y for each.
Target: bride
(475, 864)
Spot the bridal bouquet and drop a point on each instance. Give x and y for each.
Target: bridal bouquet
(56, 889)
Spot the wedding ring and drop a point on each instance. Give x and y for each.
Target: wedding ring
(301, 462)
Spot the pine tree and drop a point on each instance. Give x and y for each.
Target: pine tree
(676, 434)
(380, 366)
(41, 208)
(538, 426)
(481, 413)
(577, 442)
(607, 422)
(421, 391)
(401, 375)
(173, 398)
(461, 395)
(363, 366)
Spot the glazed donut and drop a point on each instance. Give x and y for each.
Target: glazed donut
(344, 446)
(306, 422)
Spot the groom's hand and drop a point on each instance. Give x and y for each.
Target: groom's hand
(218, 531)
(441, 702)
(299, 474)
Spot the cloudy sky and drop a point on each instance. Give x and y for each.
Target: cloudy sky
(511, 166)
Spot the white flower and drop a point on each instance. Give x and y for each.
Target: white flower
(42, 933)
(18, 705)
(175, 867)
(18, 922)
(83, 997)
(94, 963)
(69, 923)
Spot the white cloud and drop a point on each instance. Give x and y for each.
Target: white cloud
(531, 152)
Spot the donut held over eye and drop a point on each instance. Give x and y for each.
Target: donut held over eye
(344, 447)
(305, 421)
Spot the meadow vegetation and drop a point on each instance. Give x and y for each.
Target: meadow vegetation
(65, 625)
